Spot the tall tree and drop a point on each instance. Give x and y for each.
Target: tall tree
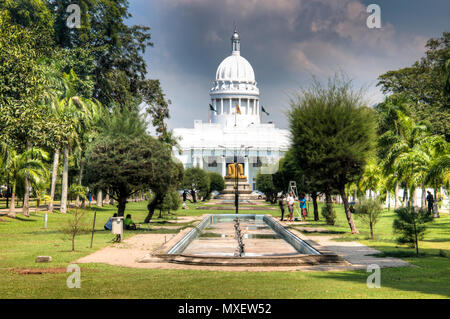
(333, 133)
(423, 83)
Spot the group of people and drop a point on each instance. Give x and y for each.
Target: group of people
(289, 201)
(127, 223)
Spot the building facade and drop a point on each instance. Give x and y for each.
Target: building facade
(235, 130)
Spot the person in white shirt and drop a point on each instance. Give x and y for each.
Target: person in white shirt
(290, 202)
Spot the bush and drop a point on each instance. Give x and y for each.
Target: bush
(410, 226)
(329, 214)
(369, 211)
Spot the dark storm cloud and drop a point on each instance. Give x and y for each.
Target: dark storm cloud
(285, 41)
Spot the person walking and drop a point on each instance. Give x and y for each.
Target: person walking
(281, 204)
(290, 202)
(430, 201)
(303, 206)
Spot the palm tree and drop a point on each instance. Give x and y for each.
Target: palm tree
(77, 113)
(371, 178)
(18, 167)
(400, 146)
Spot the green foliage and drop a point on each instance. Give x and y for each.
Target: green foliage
(369, 211)
(265, 184)
(329, 214)
(333, 134)
(22, 118)
(196, 181)
(216, 183)
(171, 201)
(424, 85)
(410, 226)
(125, 160)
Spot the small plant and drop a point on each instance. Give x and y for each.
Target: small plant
(369, 211)
(410, 226)
(75, 225)
(329, 214)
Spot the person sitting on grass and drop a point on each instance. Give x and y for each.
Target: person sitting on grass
(129, 224)
(108, 225)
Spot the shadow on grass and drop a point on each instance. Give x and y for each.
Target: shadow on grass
(25, 219)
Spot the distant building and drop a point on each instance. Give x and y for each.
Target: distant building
(214, 145)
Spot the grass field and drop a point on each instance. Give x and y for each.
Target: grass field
(22, 239)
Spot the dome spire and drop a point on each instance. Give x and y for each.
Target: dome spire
(235, 42)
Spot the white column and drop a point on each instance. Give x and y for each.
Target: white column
(201, 162)
(248, 106)
(195, 161)
(224, 166)
(239, 103)
(231, 106)
(221, 106)
(246, 167)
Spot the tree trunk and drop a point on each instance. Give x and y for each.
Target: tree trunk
(194, 198)
(80, 179)
(355, 197)
(65, 180)
(396, 196)
(100, 198)
(371, 230)
(26, 198)
(424, 198)
(348, 213)
(12, 208)
(54, 178)
(122, 203)
(151, 207)
(107, 196)
(316, 209)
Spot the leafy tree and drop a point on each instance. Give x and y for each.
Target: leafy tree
(197, 182)
(216, 183)
(171, 201)
(423, 84)
(79, 191)
(329, 213)
(264, 183)
(410, 226)
(369, 211)
(333, 135)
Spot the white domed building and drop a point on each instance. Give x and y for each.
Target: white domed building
(234, 128)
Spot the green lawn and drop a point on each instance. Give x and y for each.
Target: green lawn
(23, 239)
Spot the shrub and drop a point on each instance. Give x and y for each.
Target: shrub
(369, 211)
(329, 214)
(410, 226)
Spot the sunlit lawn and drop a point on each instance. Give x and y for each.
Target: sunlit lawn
(23, 239)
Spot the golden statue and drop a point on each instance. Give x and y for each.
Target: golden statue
(234, 169)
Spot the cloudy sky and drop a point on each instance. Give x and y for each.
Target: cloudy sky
(286, 41)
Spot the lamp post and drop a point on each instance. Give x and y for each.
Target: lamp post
(236, 178)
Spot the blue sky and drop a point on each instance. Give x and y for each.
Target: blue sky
(286, 41)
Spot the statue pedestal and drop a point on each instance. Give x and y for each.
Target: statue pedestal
(244, 190)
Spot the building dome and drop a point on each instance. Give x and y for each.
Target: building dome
(237, 69)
